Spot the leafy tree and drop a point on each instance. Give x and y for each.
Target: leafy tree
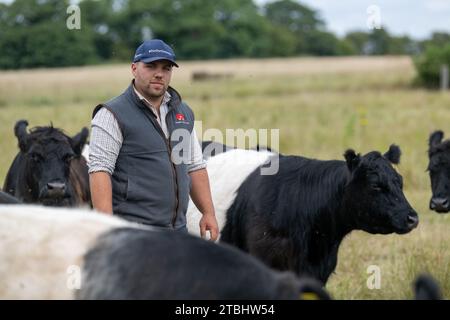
(346, 48)
(358, 41)
(246, 32)
(378, 42)
(403, 45)
(302, 22)
(429, 64)
(321, 43)
(436, 39)
(98, 17)
(34, 34)
(293, 16)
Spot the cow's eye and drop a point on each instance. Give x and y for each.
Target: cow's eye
(35, 157)
(376, 187)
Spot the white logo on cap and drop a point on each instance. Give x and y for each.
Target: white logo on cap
(159, 51)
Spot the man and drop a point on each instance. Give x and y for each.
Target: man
(142, 164)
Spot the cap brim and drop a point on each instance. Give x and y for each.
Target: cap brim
(152, 59)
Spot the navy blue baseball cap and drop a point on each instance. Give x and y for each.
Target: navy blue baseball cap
(153, 50)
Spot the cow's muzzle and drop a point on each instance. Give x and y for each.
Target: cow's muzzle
(54, 190)
(440, 205)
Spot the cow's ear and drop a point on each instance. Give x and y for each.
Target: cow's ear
(352, 159)
(435, 138)
(79, 140)
(20, 130)
(393, 154)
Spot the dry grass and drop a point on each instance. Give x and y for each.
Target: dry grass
(321, 106)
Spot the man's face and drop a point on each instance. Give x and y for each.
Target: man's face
(152, 79)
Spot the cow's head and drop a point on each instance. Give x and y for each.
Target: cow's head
(439, 169)
(48, 153)
(374, 193)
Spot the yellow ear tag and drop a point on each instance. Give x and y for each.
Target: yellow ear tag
(308, 296)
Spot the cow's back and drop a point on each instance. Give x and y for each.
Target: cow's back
(41, 249)
(226, 173)
(172, 265)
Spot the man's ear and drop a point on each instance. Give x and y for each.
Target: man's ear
(133, 68)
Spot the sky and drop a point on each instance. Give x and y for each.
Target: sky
(416, 18)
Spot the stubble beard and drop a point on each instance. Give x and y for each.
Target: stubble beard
(155, 94)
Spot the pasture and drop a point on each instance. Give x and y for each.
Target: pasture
(322, 106)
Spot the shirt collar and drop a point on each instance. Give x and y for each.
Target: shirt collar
(165, 100)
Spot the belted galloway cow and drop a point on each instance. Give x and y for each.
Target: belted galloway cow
(49, 168)
(297, 218)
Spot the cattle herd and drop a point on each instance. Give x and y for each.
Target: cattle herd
(279, 233)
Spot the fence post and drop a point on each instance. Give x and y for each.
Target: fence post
(444, 77)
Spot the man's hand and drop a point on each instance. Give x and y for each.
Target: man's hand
(209, 222)
(201, 196)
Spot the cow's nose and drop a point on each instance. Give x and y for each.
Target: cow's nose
(412, 220)
(439, 204)
(56, 189)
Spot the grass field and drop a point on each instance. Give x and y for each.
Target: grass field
(321, 106)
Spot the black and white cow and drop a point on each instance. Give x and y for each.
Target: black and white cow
(126, 263)
(57, 253)
(212, 148)
(42, 248)
(439, 170)
(296, 219)
(226, 173)
(49, 168)
(6, 198)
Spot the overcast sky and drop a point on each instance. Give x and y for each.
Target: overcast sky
(417, 18)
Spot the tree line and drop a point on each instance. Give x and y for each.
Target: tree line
(34, 33)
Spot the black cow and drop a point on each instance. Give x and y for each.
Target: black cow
(128, 263)
(426, 288)
(6, 198)
(49, 168)
(297, 218)
(439, 170)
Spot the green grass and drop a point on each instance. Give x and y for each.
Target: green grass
(319, 114)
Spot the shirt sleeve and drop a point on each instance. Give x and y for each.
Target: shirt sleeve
(196, 162)
(105, 142)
